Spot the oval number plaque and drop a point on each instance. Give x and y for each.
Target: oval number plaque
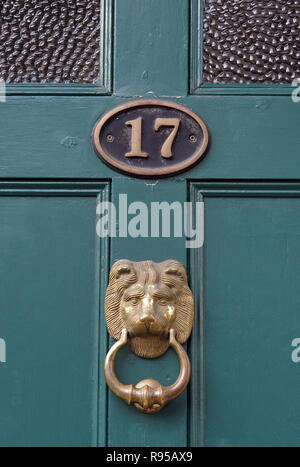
(150, 138)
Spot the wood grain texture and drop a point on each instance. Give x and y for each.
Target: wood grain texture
(250, 137)
(151, 47)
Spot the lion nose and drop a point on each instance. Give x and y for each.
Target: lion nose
(147, 319)
(147, 306)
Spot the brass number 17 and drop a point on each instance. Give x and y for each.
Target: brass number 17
(136, 136)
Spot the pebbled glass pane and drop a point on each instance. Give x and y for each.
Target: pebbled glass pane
(248, 41)
(49, 41)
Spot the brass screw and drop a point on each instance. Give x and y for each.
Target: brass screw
(192, 138)
(109, 138)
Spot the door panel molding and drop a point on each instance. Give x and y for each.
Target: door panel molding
(33, 232)
(201, 191)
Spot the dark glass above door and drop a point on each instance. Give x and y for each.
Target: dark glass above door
(45, 41)
(251, 41)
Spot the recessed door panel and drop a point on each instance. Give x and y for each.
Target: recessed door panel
(49, 321)
(251, 317)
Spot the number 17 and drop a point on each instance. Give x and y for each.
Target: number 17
(136, 136)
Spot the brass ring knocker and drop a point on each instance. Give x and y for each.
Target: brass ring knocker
(148, 306)
(148, 396)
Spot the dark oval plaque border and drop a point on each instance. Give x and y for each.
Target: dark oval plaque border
(139, 171)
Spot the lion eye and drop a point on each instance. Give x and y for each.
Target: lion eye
(162, 302)
(134, 301)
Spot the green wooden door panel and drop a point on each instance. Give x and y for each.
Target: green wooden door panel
(167, 427)
(49, 300)
(250, 137)
(251, 316)
(151, 48)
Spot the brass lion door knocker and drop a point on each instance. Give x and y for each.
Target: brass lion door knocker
(149, 307)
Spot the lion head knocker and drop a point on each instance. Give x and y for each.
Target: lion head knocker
(148, 306)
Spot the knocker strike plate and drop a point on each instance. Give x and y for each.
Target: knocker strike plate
(150, 138)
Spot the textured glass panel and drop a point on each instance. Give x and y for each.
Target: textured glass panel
(249, 41)
(49, 41)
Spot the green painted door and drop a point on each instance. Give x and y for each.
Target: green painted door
(54, 268)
